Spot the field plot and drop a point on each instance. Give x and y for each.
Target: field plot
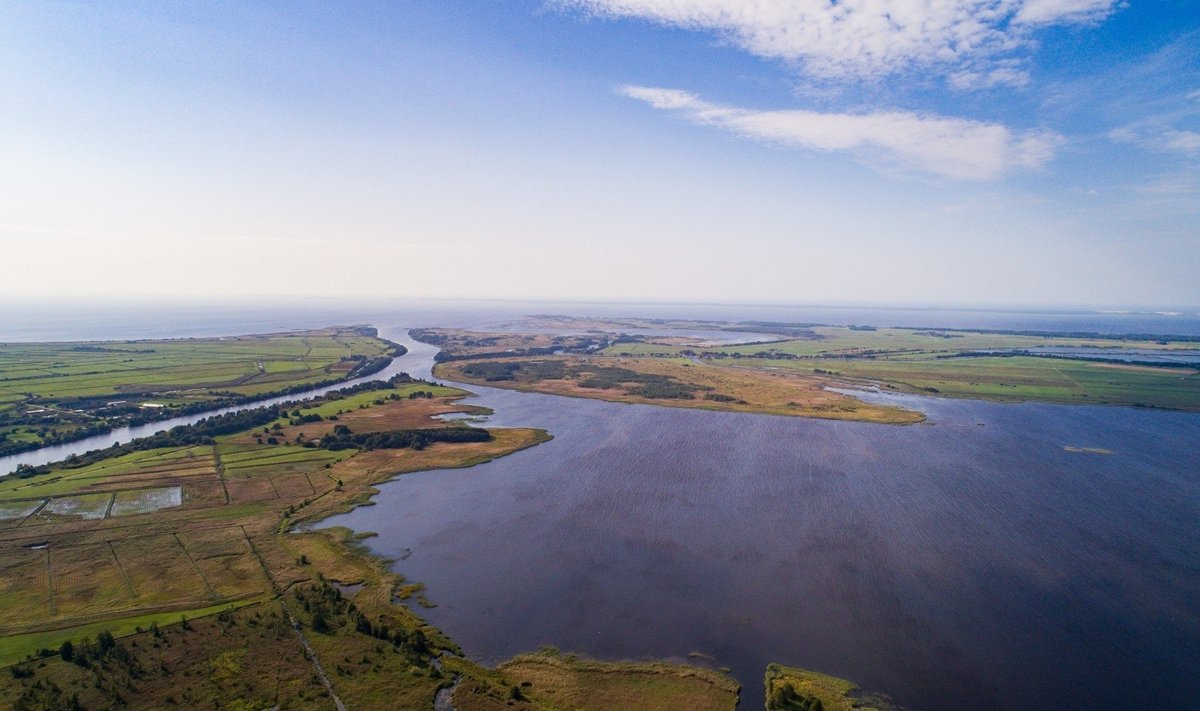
(223, 557)
(74, 579)
(299, 486)
(286, 472)
(246, 490)
(279, 460)
(139, 501)
(85, 580)
(87, 506)
(10, 510)
(24, 585)
(162, 571)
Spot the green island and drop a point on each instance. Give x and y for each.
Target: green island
(812, 370)
(52, 393)
(182, 570)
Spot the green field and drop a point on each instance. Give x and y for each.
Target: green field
(55, 392)
(1024, 378)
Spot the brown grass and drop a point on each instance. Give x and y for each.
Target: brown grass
(551, 680)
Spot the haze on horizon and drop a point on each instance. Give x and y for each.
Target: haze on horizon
(1025, 152)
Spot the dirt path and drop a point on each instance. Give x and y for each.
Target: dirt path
(220, 467)
(312, 657)
(308, 650)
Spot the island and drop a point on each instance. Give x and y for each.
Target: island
(812, 370)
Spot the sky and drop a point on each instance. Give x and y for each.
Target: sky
(885, 152)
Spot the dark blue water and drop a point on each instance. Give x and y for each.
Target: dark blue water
(967, 563)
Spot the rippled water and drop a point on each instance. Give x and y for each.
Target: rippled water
(967, 563)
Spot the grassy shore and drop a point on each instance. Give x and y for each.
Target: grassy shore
(794, 689)
(551, 680)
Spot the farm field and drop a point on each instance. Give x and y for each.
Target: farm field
(56, 392)
(172, 527)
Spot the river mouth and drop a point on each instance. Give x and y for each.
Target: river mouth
(977, 561)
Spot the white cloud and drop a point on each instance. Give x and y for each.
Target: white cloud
(1008, 75)
(1047, 12)
(1159, 138)
(868, 39)
(951, 147)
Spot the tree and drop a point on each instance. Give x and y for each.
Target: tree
(67, 651)
(319, 623)
(105, 641)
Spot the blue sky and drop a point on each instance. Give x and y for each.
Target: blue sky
(1015, 152)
